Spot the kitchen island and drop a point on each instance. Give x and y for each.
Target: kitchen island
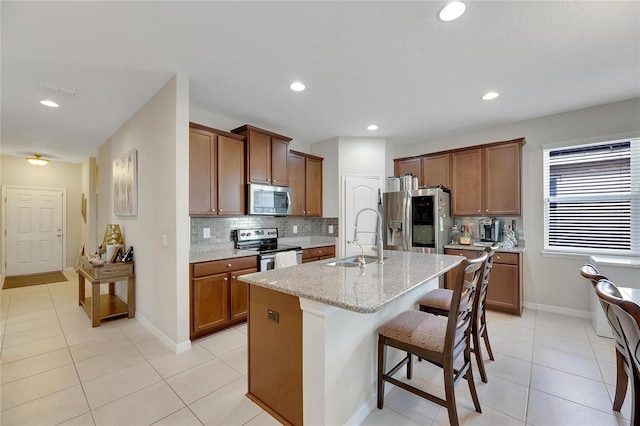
(312, 333)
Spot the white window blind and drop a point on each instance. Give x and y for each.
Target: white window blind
(592, 198)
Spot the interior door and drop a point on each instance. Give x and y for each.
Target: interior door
(360, 193)
(34, 231)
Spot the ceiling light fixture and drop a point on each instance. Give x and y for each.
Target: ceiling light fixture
(452, 11)
(296, 86)
(490, 95)
(372, 127)
(49, 103)
(37, 160)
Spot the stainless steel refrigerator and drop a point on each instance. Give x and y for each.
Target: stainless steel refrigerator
(417, 220)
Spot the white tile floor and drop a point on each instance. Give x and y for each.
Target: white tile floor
(56, 369)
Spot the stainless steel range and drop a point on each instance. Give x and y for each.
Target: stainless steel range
(265, 242)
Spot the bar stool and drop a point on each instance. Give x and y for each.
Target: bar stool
(437, 302)
(626, 315)
(623, 369)
(436, 339)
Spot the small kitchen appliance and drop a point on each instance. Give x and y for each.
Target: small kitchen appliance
(264, 241)
(489, 229)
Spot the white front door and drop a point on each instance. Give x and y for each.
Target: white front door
(359, 193)
(34, 231)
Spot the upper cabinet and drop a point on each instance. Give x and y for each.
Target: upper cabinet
(305, 184)
(267, 156)
(408, 165)
(436, 170)
(216, 172)
(485, 180)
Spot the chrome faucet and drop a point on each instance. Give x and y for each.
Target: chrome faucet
(379, 242)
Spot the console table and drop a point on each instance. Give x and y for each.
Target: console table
(109, 305)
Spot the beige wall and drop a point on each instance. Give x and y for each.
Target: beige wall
(549, 281)
(16, 171)
(159, 133)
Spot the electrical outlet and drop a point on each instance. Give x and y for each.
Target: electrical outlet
(295, 229)
(164, 241)
(331, 229)
(206, 232)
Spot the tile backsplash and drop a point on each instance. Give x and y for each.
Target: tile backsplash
(220, 227)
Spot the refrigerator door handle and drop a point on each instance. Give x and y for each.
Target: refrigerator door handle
(407, 224)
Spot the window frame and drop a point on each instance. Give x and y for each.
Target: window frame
(634, 196)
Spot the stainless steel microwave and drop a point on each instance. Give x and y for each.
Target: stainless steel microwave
(268, 200)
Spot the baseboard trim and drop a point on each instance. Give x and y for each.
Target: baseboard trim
(175, 347)
(558, 310)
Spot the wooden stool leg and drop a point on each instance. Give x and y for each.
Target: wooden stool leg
(485, 335)
(131, 294)
(450, 395)
(382, 351)
(621, 382)
(477, 349)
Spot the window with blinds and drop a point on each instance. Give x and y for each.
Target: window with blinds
(592, 198)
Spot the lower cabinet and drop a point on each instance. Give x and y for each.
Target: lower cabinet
(217, 298)
(505, 284)
(318, 253)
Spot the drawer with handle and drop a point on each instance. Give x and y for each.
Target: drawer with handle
(220, 266)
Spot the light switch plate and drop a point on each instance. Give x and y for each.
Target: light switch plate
(206, 232)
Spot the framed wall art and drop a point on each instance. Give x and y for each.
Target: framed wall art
(125, 184)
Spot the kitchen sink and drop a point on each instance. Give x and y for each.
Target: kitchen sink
(352, 261)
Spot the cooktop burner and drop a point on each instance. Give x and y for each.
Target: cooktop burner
(264, 240)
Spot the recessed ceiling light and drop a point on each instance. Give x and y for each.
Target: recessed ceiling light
(452, 11)
(372, 127)
(490, 95)
(49, 103)
(296, 86)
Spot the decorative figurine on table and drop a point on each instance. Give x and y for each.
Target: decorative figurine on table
(128, 255)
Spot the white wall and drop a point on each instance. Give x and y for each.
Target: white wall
(550, 281)
(330, 176)
(159, 132)
(89, 228)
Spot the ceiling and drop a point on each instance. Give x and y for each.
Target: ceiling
(389, 63)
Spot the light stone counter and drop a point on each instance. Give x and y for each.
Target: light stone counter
(349, 288)
(519, 249)
(228, 253)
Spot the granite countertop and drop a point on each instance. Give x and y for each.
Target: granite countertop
(227, 250)
(519, 249)
(348, 287)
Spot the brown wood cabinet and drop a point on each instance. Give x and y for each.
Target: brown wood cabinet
(275, 354)
(306, 184)
(408, 165)
(217, 298)
(216, 172)
(505, 284)
(318, 253)
(486, 181)
(436, 170)
(267, 156)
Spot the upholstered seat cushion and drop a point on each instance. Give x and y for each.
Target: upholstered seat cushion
(439, 298)
(421, 329)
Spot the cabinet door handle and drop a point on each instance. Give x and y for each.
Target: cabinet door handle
(498, 257)
(274, 181)
(228, 265)
(226, 279)
(220, 210)
(233, 277)
(213, 210)
(319, 251)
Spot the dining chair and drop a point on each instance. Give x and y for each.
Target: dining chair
(591, 273)
(625, 314)
(438, 302)
(437, 339)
